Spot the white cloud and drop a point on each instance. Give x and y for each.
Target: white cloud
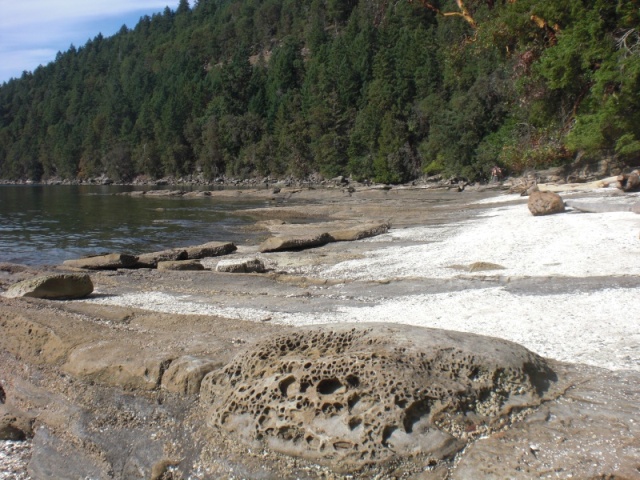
(33, 31)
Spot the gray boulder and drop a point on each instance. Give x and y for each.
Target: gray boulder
(111, 261)
(57, 286)
(545, 203)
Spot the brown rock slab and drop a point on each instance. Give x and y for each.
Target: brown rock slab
(211, 249)
(241, 266)
(373, 393)
(112, 261)
(192, 265)
(150, 260)
(57, 286)
(545, 203)
(360, 232)
(185, 374)
(297, 242)
(119, 364)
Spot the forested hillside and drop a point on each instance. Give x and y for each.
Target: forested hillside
(378, 89)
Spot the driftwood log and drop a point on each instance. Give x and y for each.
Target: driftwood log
(574, 187)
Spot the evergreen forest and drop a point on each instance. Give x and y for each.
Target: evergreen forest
(385, 90)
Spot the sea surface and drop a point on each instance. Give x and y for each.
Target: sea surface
(47, 224)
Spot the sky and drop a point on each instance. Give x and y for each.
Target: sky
(32, 32)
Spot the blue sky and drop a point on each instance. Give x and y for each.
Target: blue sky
(32, 32)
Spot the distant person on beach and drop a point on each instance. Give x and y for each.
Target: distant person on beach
(496, 174)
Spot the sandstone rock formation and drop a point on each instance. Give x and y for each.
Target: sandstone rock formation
(56, 286)
(211, 249)
(112, 261)
(192, 265)
(367, 395)
(150, 260)
(297, 242)
(359, 232)
(545, 203)
(254, 265)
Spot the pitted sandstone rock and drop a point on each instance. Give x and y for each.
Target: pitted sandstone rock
(368, 395)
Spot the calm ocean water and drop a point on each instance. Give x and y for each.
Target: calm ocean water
(44, 225)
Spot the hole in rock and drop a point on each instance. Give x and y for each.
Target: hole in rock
(415, 412)
(387, 431)
(329, 386)
(353, 381)
(354, 423)
(285, 384)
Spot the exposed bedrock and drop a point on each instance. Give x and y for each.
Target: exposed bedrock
(367, 395)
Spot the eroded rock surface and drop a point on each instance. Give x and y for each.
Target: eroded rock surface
(368, 395)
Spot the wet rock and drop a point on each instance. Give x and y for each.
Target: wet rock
(545, 203)
(359, 232)
(112, 261)
(297, 242)
(191, 265)
(241, 266)
(57, 286)
(211, 249)
(150, 260)
(370, 394)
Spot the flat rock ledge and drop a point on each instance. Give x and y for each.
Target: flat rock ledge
(358, 396)
(181, 265)
(55, 287)
(111, 261)
(300, 242)
(115, 261)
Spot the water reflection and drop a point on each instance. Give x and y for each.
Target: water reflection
(49, 224)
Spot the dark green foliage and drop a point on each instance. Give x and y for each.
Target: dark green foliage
(379, 90)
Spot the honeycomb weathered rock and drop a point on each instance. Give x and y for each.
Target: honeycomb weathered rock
(369, 394)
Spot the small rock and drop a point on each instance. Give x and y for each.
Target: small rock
(58, 286)
(181, 265)
(241, 266)
(545, 203)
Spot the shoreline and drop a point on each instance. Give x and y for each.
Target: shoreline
(561, 286)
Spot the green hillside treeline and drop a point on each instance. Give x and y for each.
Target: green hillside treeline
(378, 89)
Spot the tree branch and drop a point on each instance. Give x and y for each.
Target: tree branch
(463, 13)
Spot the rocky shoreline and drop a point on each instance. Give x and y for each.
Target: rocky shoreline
(212, 374)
